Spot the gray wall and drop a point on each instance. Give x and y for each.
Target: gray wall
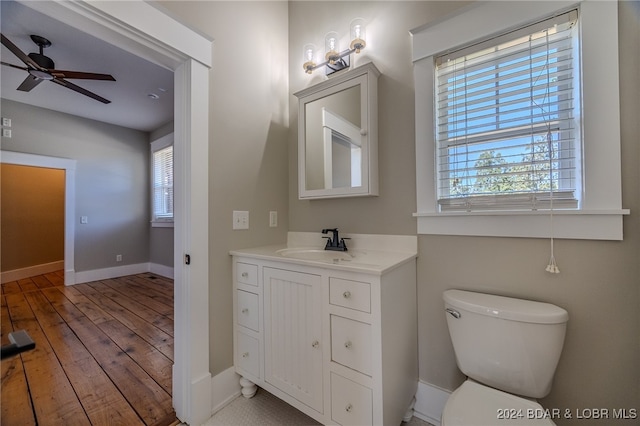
(248, 130)
(599, 283)
(112, 180)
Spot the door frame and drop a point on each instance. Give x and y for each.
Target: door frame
(69, 167)
(145, 31)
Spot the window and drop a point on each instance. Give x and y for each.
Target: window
(517, 116)
(162, 181)
(505, 131)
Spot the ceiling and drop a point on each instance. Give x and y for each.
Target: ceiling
(71, 49)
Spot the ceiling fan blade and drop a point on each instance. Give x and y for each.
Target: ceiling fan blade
(81, 75)
(15, 66)
(79, 89)
(29, 83)
(20, 54)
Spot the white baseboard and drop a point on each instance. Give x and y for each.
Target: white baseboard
(31, 271)
(162, 270)
(225, 387)
(430, 401)
(106, 273)
(120, 271)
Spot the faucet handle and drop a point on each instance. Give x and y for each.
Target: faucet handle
(343, 244)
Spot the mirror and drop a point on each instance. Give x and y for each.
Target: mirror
(337, 137)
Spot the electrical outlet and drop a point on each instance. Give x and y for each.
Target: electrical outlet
(6, 133)
(118, 258)
(84, 220)
(240, 219)
(273, 219)
(6, 122)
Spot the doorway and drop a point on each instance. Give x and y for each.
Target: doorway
(143, 30)
(32, 234)
(69, 167)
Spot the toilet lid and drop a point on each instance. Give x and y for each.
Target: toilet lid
(473, 404)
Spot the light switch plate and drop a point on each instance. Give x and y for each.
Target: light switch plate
(273, 219)
(240, 219)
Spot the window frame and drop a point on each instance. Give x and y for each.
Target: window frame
(157, 145)
(600, 214)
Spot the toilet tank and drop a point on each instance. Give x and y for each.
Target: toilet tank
(510, 344)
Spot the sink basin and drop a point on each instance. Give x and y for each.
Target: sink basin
(316, 254)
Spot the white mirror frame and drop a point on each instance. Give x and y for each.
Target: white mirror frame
(367, 77)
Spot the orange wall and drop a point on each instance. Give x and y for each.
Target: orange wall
(32, 216)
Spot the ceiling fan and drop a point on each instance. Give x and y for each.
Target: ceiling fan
(41, 67)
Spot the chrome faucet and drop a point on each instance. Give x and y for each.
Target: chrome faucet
(334, 243)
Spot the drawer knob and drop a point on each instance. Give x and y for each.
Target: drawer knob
(346, 294)
(245, 355)
(245, 275)
(245, 311)
(315, 344)
(347, 344)
(348, 408)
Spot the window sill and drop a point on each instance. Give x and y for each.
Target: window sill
(567, 224)
(165, 224)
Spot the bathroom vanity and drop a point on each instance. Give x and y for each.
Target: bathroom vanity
(332, 333)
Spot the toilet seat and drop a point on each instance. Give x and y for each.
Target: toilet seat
(474, 404)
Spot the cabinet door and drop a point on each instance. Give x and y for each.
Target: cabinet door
(293, 333)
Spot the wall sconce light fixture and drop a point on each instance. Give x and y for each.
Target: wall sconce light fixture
(335, 60)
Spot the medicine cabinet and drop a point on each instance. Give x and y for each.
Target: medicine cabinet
(338, 136)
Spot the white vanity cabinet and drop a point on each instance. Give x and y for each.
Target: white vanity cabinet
(339, 344)
(292, 334)
(247, 342)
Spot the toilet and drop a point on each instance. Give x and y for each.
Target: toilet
(508, 349)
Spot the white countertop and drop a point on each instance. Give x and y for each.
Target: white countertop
(372, 254)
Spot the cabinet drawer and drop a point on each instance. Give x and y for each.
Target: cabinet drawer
(247, 273)
(351, 344)
(248, 355)
(350, 294)
(247, 314)
(351, 403)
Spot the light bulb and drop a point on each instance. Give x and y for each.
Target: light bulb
(331, 47)
(309, 53)
(358, 36)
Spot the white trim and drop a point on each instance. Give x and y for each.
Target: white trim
(108, 273)
(225, 387)
(69, 166)
(144, 31)
(602, 212)
(30, 271)
(162, 270)
(430, 402)
(135, 26)
(191, 222)
(123, 271)
(488, 19)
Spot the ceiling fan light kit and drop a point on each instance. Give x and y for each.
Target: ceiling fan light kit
(41, 68)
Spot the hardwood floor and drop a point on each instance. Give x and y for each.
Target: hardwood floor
(103, 355)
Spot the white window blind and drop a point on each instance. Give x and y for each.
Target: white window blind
(163, 184)
(506, 132)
